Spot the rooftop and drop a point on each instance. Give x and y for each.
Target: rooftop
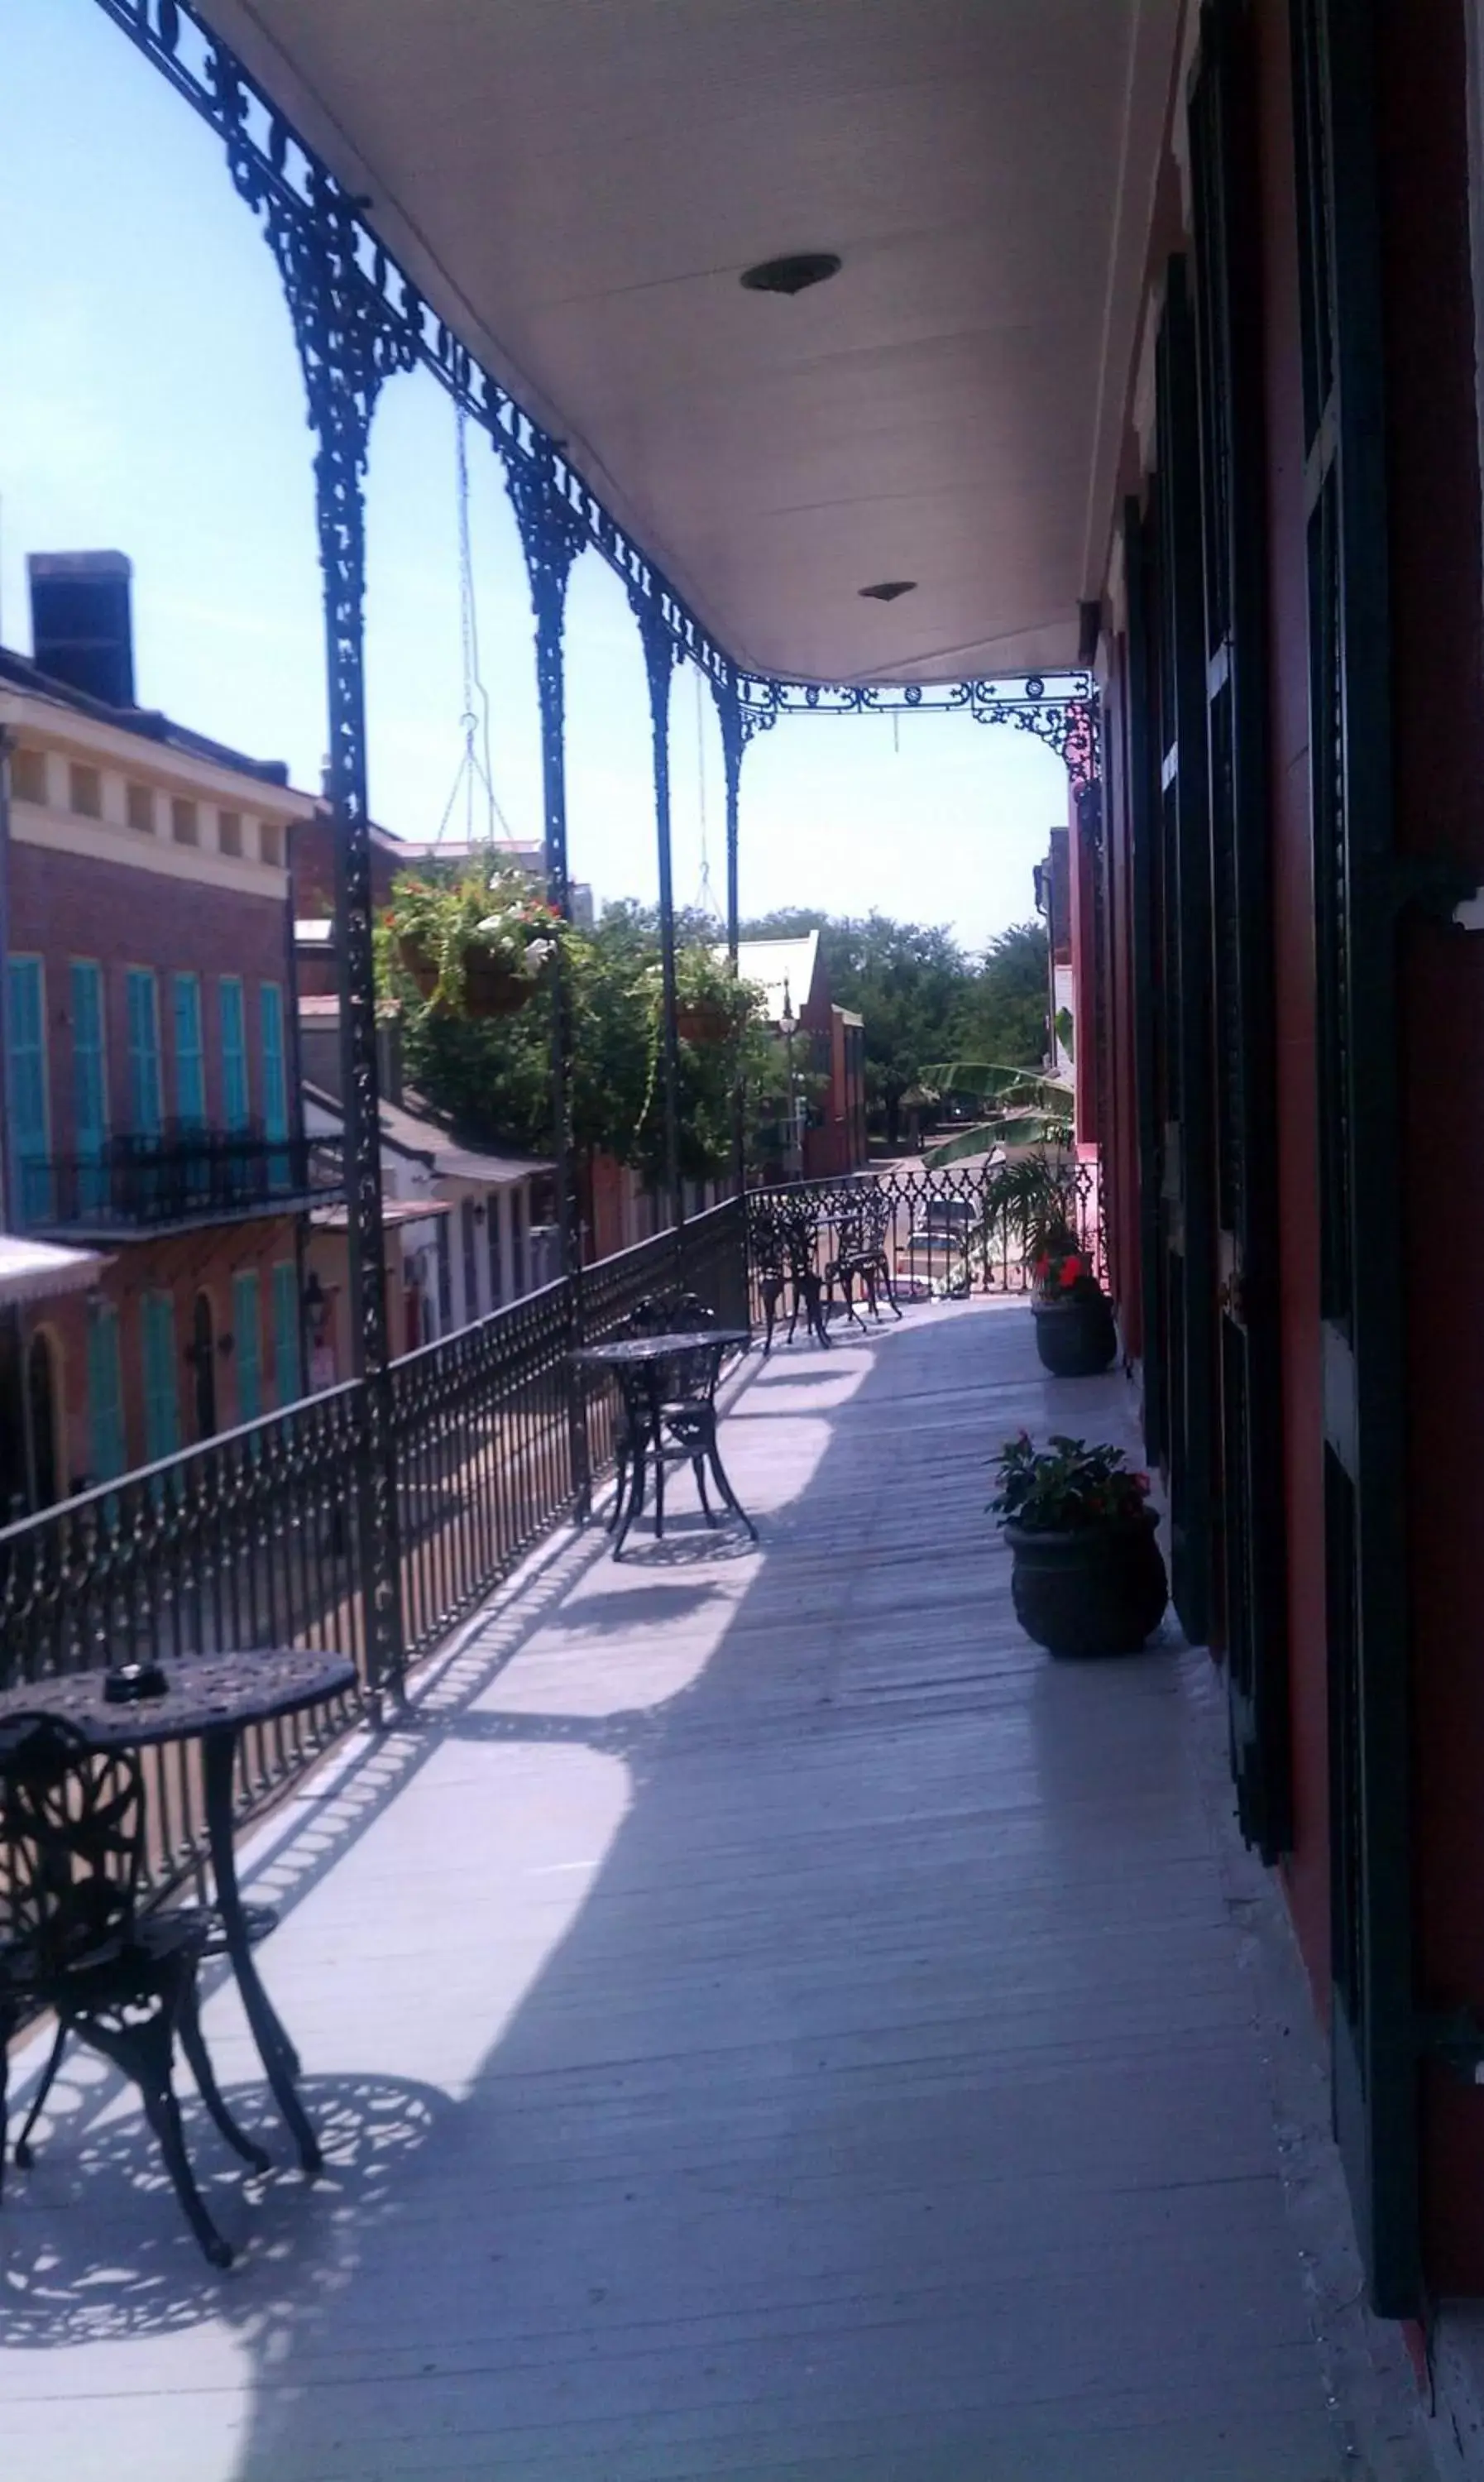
(145, 723)
(418, 1134)
(774, 963)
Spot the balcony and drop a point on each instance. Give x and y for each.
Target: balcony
(183, 1177)
(758, 2011)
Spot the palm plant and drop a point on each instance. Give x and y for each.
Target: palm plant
(1018, 1107)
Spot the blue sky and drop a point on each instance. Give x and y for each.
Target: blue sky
(150, 401)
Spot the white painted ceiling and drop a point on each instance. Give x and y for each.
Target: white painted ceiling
(577, 185)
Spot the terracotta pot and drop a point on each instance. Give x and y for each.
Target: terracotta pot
(492, 990)
(1092, 1589)
(1075, 1339)
(702, 1021)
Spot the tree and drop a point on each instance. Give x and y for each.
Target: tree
(923, 999)
(1004, 1014)
(492, 1079)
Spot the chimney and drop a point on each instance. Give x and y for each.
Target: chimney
(81, 626)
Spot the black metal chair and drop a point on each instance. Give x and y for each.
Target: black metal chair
(862, 1257)
(671, 1312)
(785, 1259)
(74, 1940)
(667, 1414)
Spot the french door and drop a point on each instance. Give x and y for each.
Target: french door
(1182, 906)
(1361, 1253)
(1251, 1617)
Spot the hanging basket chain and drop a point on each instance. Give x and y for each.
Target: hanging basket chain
(474, 764)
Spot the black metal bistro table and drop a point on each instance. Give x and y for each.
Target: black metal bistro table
(212, 1698)
(668, 1383)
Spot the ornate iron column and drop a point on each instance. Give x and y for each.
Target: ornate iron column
(551, 536)
(734, 739)
(661, 656)
(349, 342)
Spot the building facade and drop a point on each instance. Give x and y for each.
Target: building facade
(150, 1082)
(468, 1231)
(1280, 947)
(823, 1135)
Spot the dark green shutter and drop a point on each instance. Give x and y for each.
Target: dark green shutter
(1252, 1585)
(1184, 905)
(1361, 1266)
(1141, 797)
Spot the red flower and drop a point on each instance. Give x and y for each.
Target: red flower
(1140, 1485)
(1071, 1268)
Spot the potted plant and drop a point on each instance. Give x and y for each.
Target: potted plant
(701, 1020)
(710, 1004)
(474, 945)
(1088, 1578)
(1075, 1336)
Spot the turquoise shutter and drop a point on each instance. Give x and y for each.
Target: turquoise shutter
(190, 1058)
(107, 1453)
(143, 1052)
(26, 1079)
(270, 1000)
(287, 1366)
(162, 1396)
(248, 1347)
(234, 1054)
(89, 1083)
(275, 1084)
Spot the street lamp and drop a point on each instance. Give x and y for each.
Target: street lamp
(788, 1027)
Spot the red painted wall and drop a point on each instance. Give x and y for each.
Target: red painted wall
(1437, 580)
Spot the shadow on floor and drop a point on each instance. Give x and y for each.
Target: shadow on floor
(899, 2023)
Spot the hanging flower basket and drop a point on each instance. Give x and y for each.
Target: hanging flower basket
(476, 946)
(491, 989)
(702, 1020)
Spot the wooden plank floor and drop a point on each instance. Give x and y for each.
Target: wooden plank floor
(767, 2022)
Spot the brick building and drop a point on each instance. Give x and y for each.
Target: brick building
(829, 1049)
(149, 1055)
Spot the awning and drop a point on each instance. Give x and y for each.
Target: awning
(31, 1271)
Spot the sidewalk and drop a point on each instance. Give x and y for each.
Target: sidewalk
(767, 2020)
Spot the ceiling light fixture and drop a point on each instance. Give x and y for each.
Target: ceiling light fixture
(791, 274)
(889, 589)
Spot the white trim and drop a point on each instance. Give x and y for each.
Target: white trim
(39, 719)
(98, 840)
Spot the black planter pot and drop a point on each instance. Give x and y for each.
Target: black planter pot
(1094, 1589)
(1075, 1339)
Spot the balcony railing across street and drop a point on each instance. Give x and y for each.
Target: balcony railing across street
(143, 1182)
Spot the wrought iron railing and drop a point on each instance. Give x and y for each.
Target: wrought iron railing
(148, 1183)
(945, 1233)
(255, 1538)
